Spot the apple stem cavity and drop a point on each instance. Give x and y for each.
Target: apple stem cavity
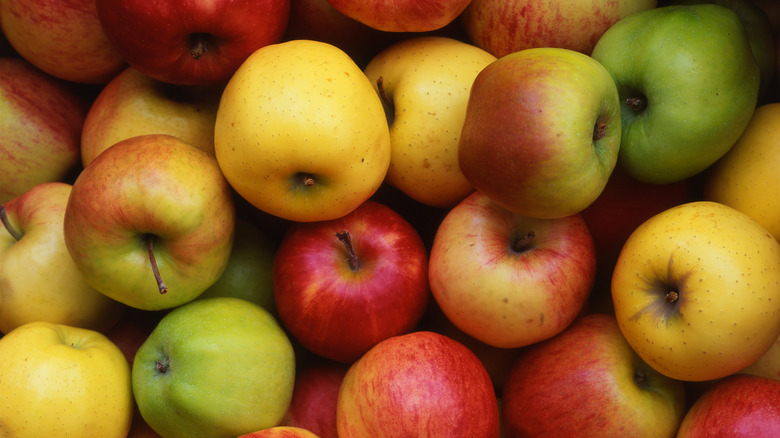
(599, 131)
(7, 224)
(636, 104)
(523, 243)
(200, 45)
(387, 103)
(346, 239)
(640, 378)
(150, 249)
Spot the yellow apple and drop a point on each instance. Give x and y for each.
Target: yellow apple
(747, 177)
(696, 291)
(300, 132)
(425, 83)
(134, 104)
(63, 381)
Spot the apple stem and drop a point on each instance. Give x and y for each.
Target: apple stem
(524, 243)
(150, 249)
(346, 239)
(7, 224)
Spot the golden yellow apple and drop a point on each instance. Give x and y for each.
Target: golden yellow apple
(300, 132)
(425, 84)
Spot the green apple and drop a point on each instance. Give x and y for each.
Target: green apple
(300, 132)
(541, 132)
(63, 381)
(38, 279)
(425, 84)
(688, 85)
(218, 367)
(150, 222)
(696, 291)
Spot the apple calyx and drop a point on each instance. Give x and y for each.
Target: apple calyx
(599, 131)
(346, 239)
(640, 378)
(199, 42)
(636, 103)
(162, 365)
(671, 297)
(150, 250)
(7, 224)
(522, 244)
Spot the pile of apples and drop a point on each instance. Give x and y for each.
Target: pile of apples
(389, 218)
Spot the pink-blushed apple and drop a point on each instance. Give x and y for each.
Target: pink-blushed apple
(502, 27)
(133, 103)
(150, 222)
(402, 15)
(41, 120)
(62, 38)
(510, 280)
(315, 395)
(343, 285)
(588, 382)
(541, 132)
(192, 43)
(418, 384)
(282, 432)
(738, 406)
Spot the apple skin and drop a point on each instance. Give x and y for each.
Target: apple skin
(541, 132)
(179, 373)
(41, 119)
(502, 27)
(500, 291)
(427, 80)
(588, 382)
(340, 312)
(402, 15)
(315, 395)
(150, 188)
(768, 365)
(264, 144)
(676, 125)
(418, 384)
(135, 104)
(62, 38)
(739, 406)
(38, 279)
(58, 380)
(163, 40)
(696, 291)
(281, 432)
(746, 177)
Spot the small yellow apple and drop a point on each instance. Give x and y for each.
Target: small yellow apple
(300, 132)
(696, 291)
(425, 82)
(747, 177)
(63, 381)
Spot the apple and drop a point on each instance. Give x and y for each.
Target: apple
(38, 279)
(739, 406)
(65, 39)
(424, 82)
(59, 380)
(768, 365)
(191, 43)
(746, 177)
(502, 27)
(676, 125)
(281, 432)
(541, 132)
(150, 222)
(588, 382)
(300, 132)
(135, 104)
(41, 118)
(402, 15)
(510, 280)
(418, 384)
(343, 285)
(314, 398)
(696, 291)
(221, 366)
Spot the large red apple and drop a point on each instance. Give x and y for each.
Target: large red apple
(191, 43)
(402, 15)
(314, 398)
(343, 285)
(588, 382)
(418, 384)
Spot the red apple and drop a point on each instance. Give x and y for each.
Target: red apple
(343, 285)
(510, 280)
(588, 382)
(191, 43)
(402, 15)
(737, 406)
(418, 384)
(316, 391)
(281, 432)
